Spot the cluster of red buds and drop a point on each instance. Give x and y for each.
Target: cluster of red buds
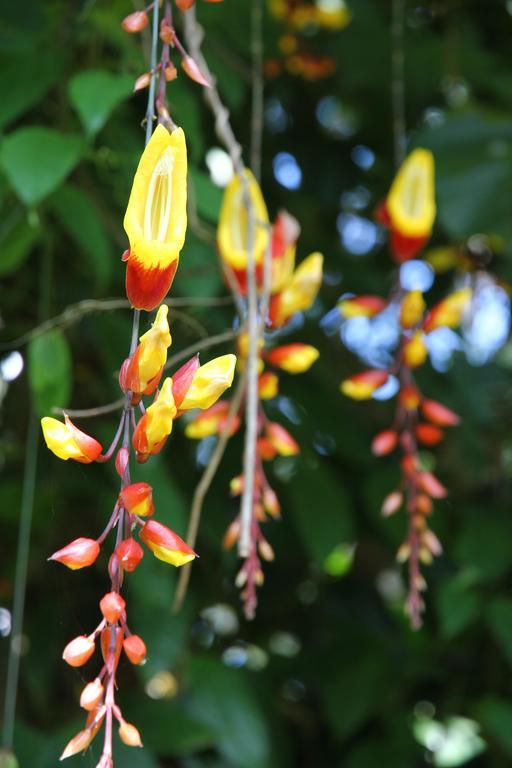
(291, 290)
(409, 212)
(155, 223)
(165, 69)
(300, 18)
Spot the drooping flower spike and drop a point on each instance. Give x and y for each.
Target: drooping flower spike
(156, 218)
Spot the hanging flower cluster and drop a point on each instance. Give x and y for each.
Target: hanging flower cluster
(301, 18)
(291, 289)
(155, 222)
(409, 212)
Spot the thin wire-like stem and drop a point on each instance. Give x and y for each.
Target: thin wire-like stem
(202, 489)
(20, 580)
(150, 111)
(398, 80)
(257, 86)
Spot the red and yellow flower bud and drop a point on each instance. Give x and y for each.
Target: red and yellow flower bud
(449, 312)
(410, 206)
(112, 606)
(285, 233)
(384, 442)
(439, 414)
(182, 379)
(361, 306)
(281, 440)
(409, 398)
(232, 233)
(135, 22)
(364, 384)
(155, 426)
(210, 381)
(129, 735)
(211, 422)
(130, 553)
(78, 743)
(78, 651)
(137, 499)
(300, 292)
(415, 350)
(293, 358)
(142, 372)
(156, 218)
(80, 553)
(135, 648)
(268, 385)
(412, 308)
(68, 442)
(165, 544)
(428, 434)
(91, 695)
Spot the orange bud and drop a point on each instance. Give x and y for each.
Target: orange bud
(78, 554)
(408, 464)
(409, 398)
(384, 442)
(78, 651)
(183, 378)
(281, 440)
(167, 33)
(271, 502)
(142, 82)
(170, 72)
(428, 434)
(191, 68)
(137, 499)
(130, 553)
(424, 504)
(110, 653)
(135, 648)
(265, 449)
(129, 735)
(268, 385)
(439, 414)
(112, 606)
(135, 22)
(431, 485)
(364, 384)
(92, 694)
(165, 544)
(184, 5)
(392, 503)
(231, 535)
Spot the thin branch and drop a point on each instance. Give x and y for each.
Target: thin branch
(75, 312)
(199, 346)
(150, 110)
(202, 489)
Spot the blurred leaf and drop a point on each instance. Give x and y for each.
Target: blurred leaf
(496, 716)
(484, 544)
(499, 619)
(95, 94)
(459, 604)
(80, 219)
(208, 197)
(49, 370)
(36, 160)
(24, 80)
(7, 759)
(16, 245)
(340, 560)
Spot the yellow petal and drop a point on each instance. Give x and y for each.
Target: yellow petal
(156, 216)
(59, 439)
(303, 288)
(411, 201)
(171, 556)
(209, 382)
(160, 415)
(153, 347)
(232, 232)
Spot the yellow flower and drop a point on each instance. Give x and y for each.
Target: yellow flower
(232, 233)
(156, 218)
(449, 311)
(153, 348)
(301, 291)
(411, 201)
(209, 382)
(415, 350)
(156, 424)
(293, 358)
(68, 442)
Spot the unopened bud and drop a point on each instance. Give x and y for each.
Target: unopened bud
(78, 743)
(392, 503)
(191, 68)
(384, 442)
(259, 577)
(432, 543)
(265, 550)
(78, 554)
(78, 651)
(137, 499)
(424, 504)
(170, 72)
(122, 458)
(112, 606)
(135, 648)
(404, 552)
(231, 535)
(431, 485)
(429, 434)
(271, 502)
(129, 735)
(92, 694)
(184, 5)
(135, 22)
(129, 553)
(142, 82)
(111, 645)
(241, 578)
(236, 485)
(425, 556)
(167, 33)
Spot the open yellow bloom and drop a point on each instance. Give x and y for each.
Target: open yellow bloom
(411, 201)
(301, 291)
(209, 382)
(68, 442)
(232, 233)
(156, 218)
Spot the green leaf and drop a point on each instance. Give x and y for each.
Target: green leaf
(95, 94)
(80, 219)
(49, 370)
(340, 560)
(496, 716)
(24, 80)
(499, 618)
(459, 604)
(208, 197)
(36, 160)
(16, 244)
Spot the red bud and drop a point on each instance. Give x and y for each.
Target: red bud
(384, 442)
(135, 22)
(191, 67)
(78, 651)
(78, 554)
(137, 499)
(439, 414)
(431, 485)
(135, 648)
(112, 606)
(428, 434)
(122, 459)
(130, 553)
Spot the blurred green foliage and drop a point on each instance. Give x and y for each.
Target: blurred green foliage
(329, 675)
